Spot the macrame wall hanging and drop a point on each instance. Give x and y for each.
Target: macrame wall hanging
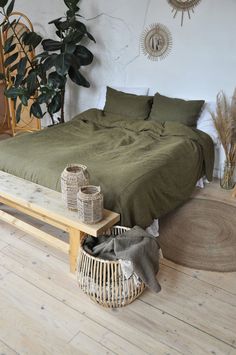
(183, 6)
(156, 41)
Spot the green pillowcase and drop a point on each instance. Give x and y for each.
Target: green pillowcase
(170, 109)
(128, 105)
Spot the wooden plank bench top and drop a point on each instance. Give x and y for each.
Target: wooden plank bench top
(47, 205)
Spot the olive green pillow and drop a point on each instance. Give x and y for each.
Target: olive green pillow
(170, 109)
(127, 105)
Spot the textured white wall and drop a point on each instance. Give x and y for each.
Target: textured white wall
(202, 61)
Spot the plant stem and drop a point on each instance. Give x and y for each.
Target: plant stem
(62, 105)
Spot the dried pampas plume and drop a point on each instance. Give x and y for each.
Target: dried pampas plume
(225, 123)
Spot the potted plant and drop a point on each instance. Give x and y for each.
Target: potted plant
(225, 123)
(45, 77)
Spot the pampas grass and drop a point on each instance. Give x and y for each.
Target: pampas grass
(225, 123)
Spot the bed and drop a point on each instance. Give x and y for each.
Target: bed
(145, 168)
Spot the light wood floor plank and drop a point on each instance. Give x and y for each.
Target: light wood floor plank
(188, 299)
(171, 322)
(6, 350)
(18, 327)
(89, 345)
(147, 320)
(55, 318)
(224, 280)
(64, 288)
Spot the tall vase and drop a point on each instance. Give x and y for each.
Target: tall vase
(72, 178)
(227, 176)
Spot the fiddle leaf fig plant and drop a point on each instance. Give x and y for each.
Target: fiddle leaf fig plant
(43, 78)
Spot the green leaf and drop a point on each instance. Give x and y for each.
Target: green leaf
(63, 25)
(31, 39)
(72, 4)
(13, 67)
(11, 59)
(21, 67)
(91, 37)
(31, 82)
(69, 48)
(55, 21)
(80, 27)
(36, 110)
(3, 3)
(14, 92)
(8, 43)
(10, 49)
(49, 62)
(18, 80)
(43, 98)
(56, 81)
(24, 100)
(10, 8)
(55, 104)
(85, 56)
(74, 37)
(6, 26)
(18, 113)
(62, 63)
(42, 55)
(78, 78)
(51, 45)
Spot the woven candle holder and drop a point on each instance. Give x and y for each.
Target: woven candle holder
(90, 204)
(72, 178)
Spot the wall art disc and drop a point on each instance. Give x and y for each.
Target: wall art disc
(183, 6)
(156, 41)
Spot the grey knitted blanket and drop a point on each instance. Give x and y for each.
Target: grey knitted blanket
(135, 245)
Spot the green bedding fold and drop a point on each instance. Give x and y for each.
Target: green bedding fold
(145, 168)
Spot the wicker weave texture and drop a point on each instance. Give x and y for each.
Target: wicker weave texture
(104, 281)
(90, 204)
(72, 178)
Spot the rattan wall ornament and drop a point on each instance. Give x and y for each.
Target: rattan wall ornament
(156, 41)
(183, 6)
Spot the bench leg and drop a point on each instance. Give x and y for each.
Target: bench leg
(75, 238)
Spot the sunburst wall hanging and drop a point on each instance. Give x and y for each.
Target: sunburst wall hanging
(156, 41)
(183, 6)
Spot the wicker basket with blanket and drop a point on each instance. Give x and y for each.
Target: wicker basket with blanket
(104, 280)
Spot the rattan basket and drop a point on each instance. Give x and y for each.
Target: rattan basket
(104, 281)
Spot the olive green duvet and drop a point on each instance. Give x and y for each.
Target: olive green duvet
(145, 168)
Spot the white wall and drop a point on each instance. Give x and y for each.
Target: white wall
(202, 61)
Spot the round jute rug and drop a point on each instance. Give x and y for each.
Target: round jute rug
(201, 234)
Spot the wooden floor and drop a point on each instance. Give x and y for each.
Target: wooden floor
(42, 311)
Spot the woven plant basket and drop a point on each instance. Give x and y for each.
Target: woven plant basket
(104, 281)
(90, 204)
(72, 178)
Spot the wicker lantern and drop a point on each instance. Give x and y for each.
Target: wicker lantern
(90, 204)
(72, 178)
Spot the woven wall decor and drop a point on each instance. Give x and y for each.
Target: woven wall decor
(156, 41)
(183, 6)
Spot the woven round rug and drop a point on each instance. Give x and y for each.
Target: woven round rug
(201, 235)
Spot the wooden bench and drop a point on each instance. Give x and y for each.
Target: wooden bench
(46, 205)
